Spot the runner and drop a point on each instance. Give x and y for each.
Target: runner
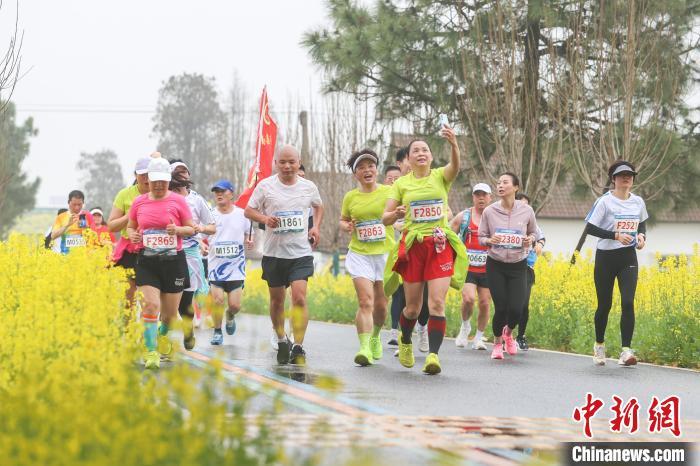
(49, 243)
(124, 253)
(508, 228)
(466, 223)
(72, 225)
(157, 222)
(429, 251)
(398, 301)
(282, 203)
(391, 174)
(532, 256)
(104, 236)
(618, 218)
(371, 241)
(227, 258)
(203, 224)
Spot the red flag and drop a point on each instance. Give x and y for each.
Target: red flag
(264, 152)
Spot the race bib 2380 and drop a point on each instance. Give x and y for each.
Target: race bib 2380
(510, 239)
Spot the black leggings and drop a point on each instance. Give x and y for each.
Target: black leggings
(398, 302)
(508, 285)
(621, 264)
(525, 316)
(185, 307)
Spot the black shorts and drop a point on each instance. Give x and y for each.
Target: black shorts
(228, 286)
(128, 260)
(281, 272)
(478, 279)
(167, 273)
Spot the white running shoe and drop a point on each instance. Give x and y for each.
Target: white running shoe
(627, 358)
(478, 344)
(273, 341)
(394, 338)
(599, 354)
(423, 338)
(463, 336)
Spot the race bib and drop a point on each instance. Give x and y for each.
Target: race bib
(426, 211)
(227, 249)
(627, 224)
(74, 241)
(371, 231)
(510, 239)
(290, 221)
(477, 258)
(159, 241)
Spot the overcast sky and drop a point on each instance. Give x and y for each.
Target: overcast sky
(86, 62)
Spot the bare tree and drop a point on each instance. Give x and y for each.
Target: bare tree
(10, 62)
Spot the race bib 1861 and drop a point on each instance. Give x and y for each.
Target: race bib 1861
(227, 249)
(290, 221)
(159, 241)
(426, 211)
(627, 224)
(74, 241)
(510, 239)
(371, 231)
(477, 258)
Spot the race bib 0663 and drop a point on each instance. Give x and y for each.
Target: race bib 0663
(477, 258)
(371, 231)
(159, 240)
(290, 221)
(510, 239)
(426, 211)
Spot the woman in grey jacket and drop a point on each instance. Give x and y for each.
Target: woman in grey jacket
(508, 227)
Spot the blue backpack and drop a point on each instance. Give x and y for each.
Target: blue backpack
(464, 226)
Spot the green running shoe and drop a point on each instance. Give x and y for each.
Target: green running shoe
(364, 357)
(406, 357)
(432, 364)
(165, 347)
(375, 345)
(151, 360)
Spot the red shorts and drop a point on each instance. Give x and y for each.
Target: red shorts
(424, 263)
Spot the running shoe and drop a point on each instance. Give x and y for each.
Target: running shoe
(497, 352)
(273, 340)
(188, 341)
(406, 357)
(230, 325)
(478, 344)
(522, 343)
(151, 360)
(463, 337)
(511, 345)
(396, 353)
(627, 358)
(283, 349)
(432, 364)
(297, 355)
(394, 339)
(165, 347)
(599, 354)
(423, 338)
(364, 357)
(375, 346)
(218, 338)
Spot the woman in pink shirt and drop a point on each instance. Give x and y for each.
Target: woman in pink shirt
(508, 227)
(157, 222)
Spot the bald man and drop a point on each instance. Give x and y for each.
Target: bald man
(283, 203)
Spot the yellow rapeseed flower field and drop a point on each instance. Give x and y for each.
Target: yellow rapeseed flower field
(561, 308)
(72, 391)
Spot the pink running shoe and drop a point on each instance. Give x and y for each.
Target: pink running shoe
(511, 345)
(497, 352)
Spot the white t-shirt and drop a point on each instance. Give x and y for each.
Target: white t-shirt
(227, 246)
(613, 214)
(201, 214)
(290, 240)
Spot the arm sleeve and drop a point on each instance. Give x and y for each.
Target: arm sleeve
(594, 230)
(642, 228)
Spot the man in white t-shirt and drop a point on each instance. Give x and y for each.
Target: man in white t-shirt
(283, 202)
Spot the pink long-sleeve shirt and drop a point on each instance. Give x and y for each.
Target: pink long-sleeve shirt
(511, 226)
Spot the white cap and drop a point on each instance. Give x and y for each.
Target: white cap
(173, 166)
(159, 170)
(142, 165)
(622, 169)
(482, 187)
(96, 212)
(364, 156)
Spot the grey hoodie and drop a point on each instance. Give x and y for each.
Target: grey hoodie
(513, 227)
